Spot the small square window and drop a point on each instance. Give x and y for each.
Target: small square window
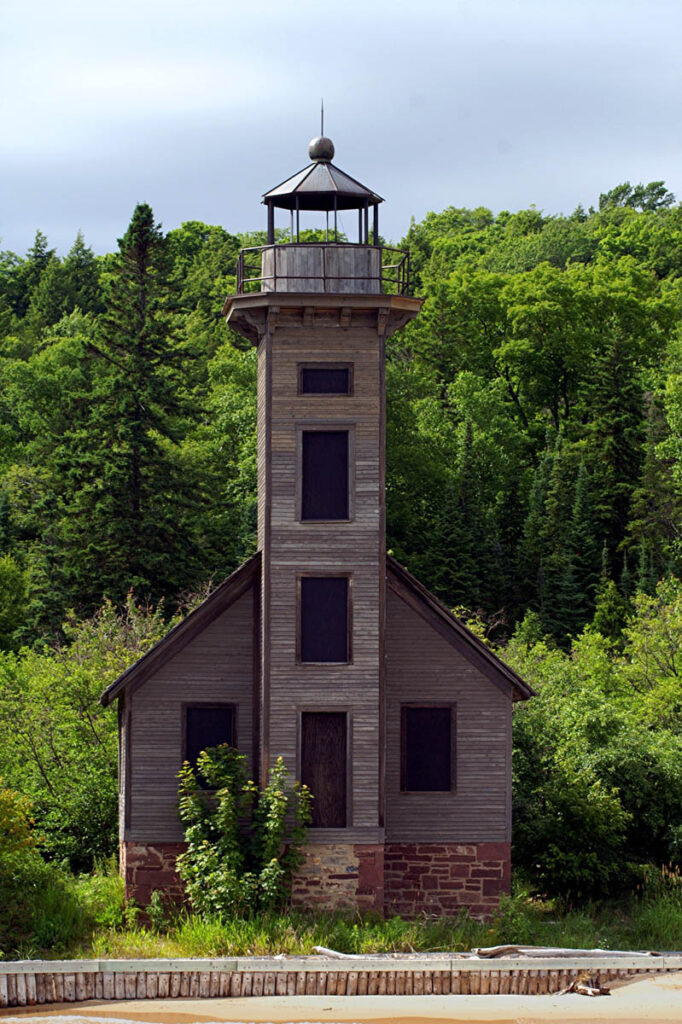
(325, 380)
(324, 619)
(427, 749)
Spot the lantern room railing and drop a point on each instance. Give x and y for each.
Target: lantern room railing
(326, 268)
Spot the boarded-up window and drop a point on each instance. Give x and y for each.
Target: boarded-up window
(323, 765)
(207, 725)
(324, 474)
(324, 380)
(427, 754)
(323, 619)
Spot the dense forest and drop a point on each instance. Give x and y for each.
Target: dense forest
(534, 482)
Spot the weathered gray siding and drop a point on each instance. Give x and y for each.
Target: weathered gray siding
(423, 666)
(216, 666)
(291, 547)
(338, 269)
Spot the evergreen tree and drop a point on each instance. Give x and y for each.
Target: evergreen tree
(614, 437)
(49, 298)
(129, 519)
(38, 258)
(611, 608)
(655, 511)
(583, 548)
(81, 278)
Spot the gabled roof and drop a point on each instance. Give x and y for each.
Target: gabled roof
(399, 579)
(318, 187)
(403, 583)
(173, 642)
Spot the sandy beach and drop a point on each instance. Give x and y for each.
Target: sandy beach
(655, 1000)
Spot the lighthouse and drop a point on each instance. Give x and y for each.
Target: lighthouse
(322, 649)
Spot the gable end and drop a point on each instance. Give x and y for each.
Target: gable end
(423, 602)
(246, 576)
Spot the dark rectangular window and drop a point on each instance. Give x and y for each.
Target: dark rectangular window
(324, 380)
(208, 726)
(324, 619)
(324, 474)
(323, 765)
(427, 749)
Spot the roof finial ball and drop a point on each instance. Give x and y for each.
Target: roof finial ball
(321, 148)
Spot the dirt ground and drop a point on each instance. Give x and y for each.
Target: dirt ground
(655, 1000)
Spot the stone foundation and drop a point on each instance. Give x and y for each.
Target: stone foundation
(409, 879)
(444, 878)
(336, 875)
(149, 866)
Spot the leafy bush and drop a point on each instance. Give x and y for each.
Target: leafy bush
(58, 745)
(243, 845)
(598, 754)
(36, 906)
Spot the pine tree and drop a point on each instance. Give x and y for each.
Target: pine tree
(611, 608)
(532, 550)
(49, 299)
(583, 547)
(81, 278)
(614, 436)
(130, 519)
(655, 510)
(38, 258)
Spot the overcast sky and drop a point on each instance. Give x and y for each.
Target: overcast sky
(199, 106)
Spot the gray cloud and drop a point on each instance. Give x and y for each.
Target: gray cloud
(199, 110)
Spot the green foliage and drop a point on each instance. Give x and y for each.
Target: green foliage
(57, 743)
(30, 890)
(12, 601)
(243, 845)
(598, 754)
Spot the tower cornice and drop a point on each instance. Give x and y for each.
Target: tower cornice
(256, 314)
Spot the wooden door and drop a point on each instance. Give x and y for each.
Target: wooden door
(323, 765)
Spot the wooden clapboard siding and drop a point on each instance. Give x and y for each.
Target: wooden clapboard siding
(348, 269)
(216, 666)
(291, 548)
(422, 666)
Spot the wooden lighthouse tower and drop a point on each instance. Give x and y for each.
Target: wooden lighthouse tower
(321, 649)
(320, 317)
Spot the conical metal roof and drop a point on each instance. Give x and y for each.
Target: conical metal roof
(321, 186)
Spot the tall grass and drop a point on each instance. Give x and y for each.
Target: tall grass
(87, 917)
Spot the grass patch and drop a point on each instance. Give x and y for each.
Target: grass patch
(87, 917)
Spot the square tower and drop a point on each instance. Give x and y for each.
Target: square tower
(320, 318)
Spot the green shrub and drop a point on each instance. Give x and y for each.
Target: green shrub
(243, 845)
(37, 904)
